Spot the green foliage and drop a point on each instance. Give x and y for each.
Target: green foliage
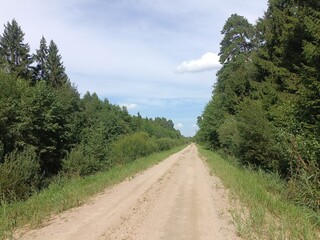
(309, 109)
(41, 56)
(158, 127)
(303, 187)
(140, 144)
(256, 139)
(305, 172)
(164, 144)
(229, 135)
(10, 94)
(238, 35)
(67, 134)
(56, 75)
(80, 162)
(14, 53)
(263, 210)
(36, 116)
(44, 124)
(265, 108)
(65, 193)
(234, 82)
(108, 137)
(133, 146)
(19, 175)
(210, 121)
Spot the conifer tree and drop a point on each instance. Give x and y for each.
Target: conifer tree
(55, 69)
(283, 33)
(236, 47)
(238, 34)
(310, 74)
(14, 53)
(40, 71)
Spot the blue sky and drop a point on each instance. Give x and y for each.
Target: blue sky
(157, 57)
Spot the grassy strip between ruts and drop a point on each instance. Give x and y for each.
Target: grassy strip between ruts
(260, 209)
(66, 194)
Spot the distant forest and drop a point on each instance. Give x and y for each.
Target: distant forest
(47, 130)
(265, 106)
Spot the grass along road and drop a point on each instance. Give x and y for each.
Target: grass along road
(260, 207)
(64, 194)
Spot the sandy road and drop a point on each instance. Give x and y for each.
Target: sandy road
(176, 199)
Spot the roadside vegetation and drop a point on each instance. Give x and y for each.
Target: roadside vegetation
(50, 137)
(261, 206)
(64, 193)
(265, 106)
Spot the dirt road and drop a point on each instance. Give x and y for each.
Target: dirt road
(176, 199)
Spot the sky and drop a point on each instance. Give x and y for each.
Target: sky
(156, 57)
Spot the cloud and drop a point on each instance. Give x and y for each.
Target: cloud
(207, 62)
(127, 50)
(129, 106)
(178, 125)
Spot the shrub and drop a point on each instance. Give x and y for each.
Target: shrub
(19, 175)
(229, 136)
(256, 145)
(80, 162)
(131, 147)
(166, 143)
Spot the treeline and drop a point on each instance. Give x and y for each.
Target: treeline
(48, 130)
(265, 106)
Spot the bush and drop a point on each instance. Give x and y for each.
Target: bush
(256, 145)
(19, 175)
(80, 162)
(229, 136)
(166, 143)
(86, 159)
(131, 147)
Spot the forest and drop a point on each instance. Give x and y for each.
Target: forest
(265, 105)
(47, 130)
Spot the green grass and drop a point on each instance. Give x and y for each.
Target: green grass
(260, 209)
(64, 194)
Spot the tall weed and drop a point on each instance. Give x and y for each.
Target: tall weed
(19, 175)
(261, 207)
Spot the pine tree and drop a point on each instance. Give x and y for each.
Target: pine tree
(14, 53)
(40, 71)
(236, 49)
(55, 69)
(238, 34)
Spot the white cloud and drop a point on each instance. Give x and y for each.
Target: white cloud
(178, 125)
(127, 50)
(207, 62)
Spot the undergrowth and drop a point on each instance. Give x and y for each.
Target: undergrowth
(261, 209)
